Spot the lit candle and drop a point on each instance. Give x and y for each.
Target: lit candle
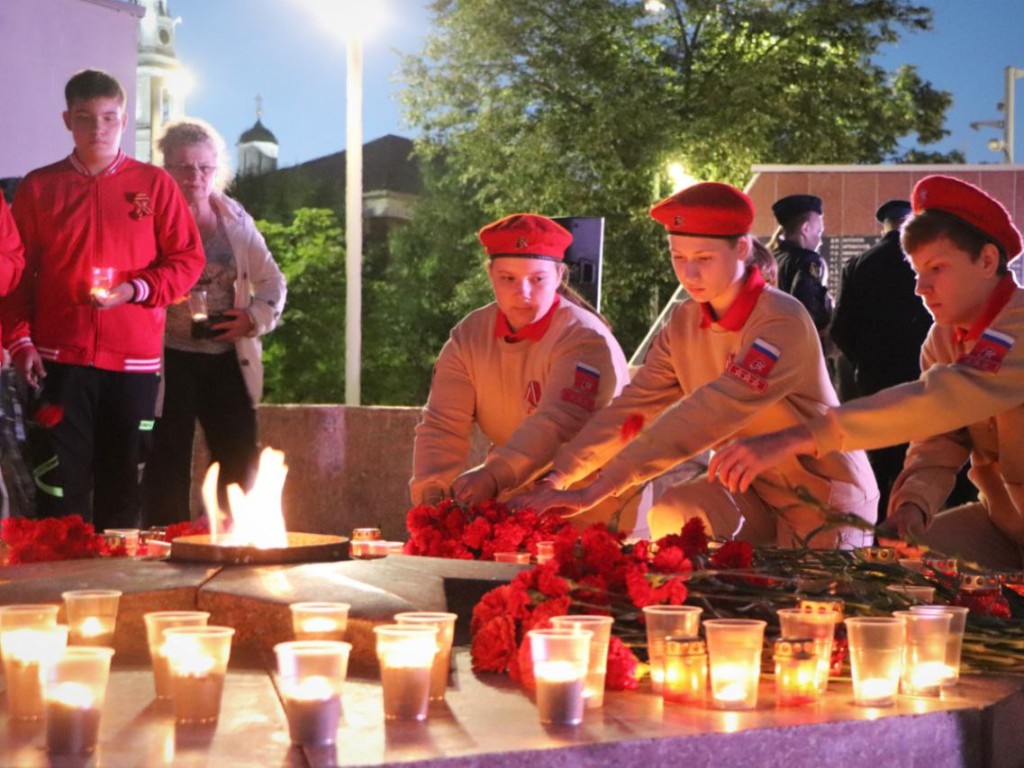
(319, 621)
(733, 686)
(545, 551)
(876, 691)
(928, 678)
(796, 668)
(93, 631)
(198, 659)
(26, 653)
(318, 625)
(72, 719)
(406, 654)
(685, 670)
(560, 689)
(313, 708)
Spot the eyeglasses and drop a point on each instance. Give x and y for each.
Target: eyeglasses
(202, 170)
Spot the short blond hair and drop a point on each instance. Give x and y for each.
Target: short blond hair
(190, 131)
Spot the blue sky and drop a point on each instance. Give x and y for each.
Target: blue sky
(238, 48)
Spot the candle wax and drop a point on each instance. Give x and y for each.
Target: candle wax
(71, 729)
(197, 697)
(313, 720)
(559, 692)
(406, 692)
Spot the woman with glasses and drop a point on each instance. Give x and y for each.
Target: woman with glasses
(213, 370)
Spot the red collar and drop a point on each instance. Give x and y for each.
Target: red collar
(998, 299)
(736, 316)
(534, 331)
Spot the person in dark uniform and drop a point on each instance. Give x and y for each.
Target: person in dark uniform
(880, 324)
(802, 272)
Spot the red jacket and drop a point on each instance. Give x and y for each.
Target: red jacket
(12, 258)
(131, 217)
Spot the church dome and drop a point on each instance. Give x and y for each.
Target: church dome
(258, 132)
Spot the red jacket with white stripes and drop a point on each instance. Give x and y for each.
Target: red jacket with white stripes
(130, 217)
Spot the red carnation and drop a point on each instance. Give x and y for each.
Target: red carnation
(49, 415)
(733, 555)
(494, 645)
(622, 664)
(631, 426)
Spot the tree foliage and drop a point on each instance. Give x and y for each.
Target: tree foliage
(577, 107)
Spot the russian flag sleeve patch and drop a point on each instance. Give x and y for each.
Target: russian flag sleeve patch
(756, 365)
(988, 351)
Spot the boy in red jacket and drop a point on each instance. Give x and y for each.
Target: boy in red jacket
(109, 242)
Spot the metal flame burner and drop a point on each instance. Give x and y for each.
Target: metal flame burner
(302, 548)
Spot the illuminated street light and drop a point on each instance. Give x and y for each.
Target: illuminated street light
(352, 20)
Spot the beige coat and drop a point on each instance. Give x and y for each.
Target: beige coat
(700, 387)
(955, 411)
(528, 397)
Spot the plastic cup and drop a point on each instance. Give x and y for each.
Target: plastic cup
(157, 622)
(923, 669)
(312, 673)
(734, 658)
(445, 623)
(821, 628)
(198, 662)
(319, 621)
(954, 643)
(560, 661)
(92, 616)
(664, 621)
(875, 644)
(28, 651)
(601, 627)
(406, 654)
(76, 685)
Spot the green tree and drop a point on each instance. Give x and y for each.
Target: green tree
(577, 107)
(304, 358)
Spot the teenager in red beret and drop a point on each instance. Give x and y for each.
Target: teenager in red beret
(528, 369)
(968, 402)
(739, 358)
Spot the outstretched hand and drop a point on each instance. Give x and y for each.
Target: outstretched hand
(568, 503)
(906, 523)
(738, 464)
(474, 487)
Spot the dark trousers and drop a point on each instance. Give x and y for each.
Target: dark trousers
(88, 463)
(210, 389)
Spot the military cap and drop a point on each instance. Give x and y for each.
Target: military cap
(791, 206)
(971, 205)
(893, 210)
(525, 236)
(708, 209)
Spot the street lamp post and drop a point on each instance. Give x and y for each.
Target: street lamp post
(1004, 144)
(353, 220)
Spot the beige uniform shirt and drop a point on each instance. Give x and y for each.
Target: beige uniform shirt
(969, 402)
(700, 387)
(527, 397)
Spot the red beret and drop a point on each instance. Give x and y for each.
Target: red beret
(971, 205)
(526, 236)
(708, 209)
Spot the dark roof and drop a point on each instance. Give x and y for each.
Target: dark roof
(258, 132)
(387, 164)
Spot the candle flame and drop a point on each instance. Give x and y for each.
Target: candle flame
(74, 695)
(254, 519)
(91, 626)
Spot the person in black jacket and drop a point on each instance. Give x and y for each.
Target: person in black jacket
(803, 273)
(880, 324)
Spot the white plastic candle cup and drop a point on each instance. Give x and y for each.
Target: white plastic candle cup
(667, 621)
(92, 616)
(102, 281)
(157, 622)
(913, 592)
(821, 628)
(734, 659)
(601, 627)
(312, 673)
(875, 644)
(76, 685)
(28, 651)
(129, 537)
(522, 558)
(955, 641)
(923, 670)
(26, 616)
(319, 621)
(406, 654)
(198, 662)
(560, 661)
(545, 551)
(198, 305)
(445, 623)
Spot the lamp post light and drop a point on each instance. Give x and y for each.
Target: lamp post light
(353, 20)
(1005, 144)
